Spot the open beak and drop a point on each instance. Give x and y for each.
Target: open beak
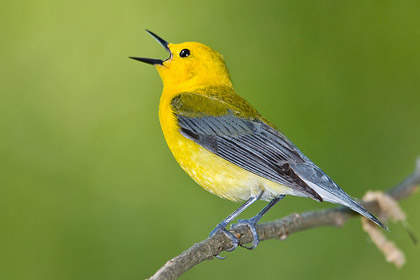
(153, 61)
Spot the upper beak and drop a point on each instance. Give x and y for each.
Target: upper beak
(153, 61)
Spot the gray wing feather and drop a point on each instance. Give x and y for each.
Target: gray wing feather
(252, 145)
(264, 151)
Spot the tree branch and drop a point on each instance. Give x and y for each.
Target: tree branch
(278, 229)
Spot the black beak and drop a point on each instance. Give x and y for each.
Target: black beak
(153, 61)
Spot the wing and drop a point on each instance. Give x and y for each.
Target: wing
(241, 138)
(233, 130)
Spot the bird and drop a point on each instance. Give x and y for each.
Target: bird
(225, 145)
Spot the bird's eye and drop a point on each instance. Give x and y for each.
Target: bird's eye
(184, 53)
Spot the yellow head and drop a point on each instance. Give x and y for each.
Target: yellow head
(189, 66)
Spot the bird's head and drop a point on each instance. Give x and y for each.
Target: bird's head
(189, 65)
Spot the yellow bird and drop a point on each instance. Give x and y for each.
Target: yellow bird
(225, 145)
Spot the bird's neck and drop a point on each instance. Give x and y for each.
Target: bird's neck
(173, 88)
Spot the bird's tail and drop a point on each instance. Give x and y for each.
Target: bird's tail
(339, 196)
(328, 190)
(355, 206)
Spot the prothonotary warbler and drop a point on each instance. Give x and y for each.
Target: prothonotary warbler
(225, 145)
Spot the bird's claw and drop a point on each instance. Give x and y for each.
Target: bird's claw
(233, 238)
(251, 224)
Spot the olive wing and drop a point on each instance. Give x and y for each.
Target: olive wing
(247, 142)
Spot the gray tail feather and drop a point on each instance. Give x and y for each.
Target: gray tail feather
(328, 190)
(362, 211)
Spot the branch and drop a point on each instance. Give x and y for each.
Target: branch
(278, 229)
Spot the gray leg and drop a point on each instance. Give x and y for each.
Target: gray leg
(222, 225)
(254, 220)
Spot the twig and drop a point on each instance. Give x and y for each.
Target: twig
(278, 229)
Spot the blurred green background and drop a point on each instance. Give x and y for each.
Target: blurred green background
(89, 189)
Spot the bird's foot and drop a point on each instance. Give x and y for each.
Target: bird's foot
(251, 223)
(233, 238)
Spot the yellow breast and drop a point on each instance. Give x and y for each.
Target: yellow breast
(212, 172)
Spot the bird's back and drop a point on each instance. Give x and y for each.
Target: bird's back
(228, 148)
(212, 172)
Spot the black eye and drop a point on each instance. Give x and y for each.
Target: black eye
(184, 53)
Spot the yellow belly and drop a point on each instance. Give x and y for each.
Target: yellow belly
(212, 172)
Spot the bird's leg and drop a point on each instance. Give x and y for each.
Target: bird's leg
(222, 225)
(254, 220)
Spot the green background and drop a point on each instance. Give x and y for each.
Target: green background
(89, 189)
